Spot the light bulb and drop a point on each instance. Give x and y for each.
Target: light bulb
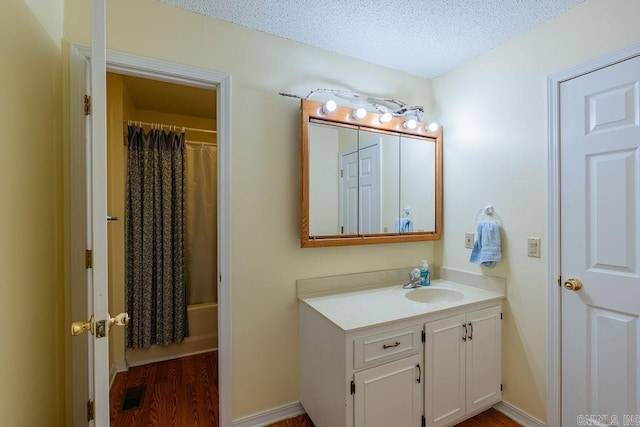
(433, 126)
(329, 106)
(410, 124)
(385, 118)
(359, 114)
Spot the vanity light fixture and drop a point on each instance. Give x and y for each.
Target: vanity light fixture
(410, 124)
(433, 126)
(329, 106)
(385, 117)
(359, 114)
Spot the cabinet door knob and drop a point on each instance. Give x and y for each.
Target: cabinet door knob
(470, 331)
(419, 373)
(464, 336)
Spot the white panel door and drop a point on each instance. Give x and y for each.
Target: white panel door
(445, 377)
(97, 208)
(369, 161)
(349, 193)
(389, 395)
(600, 245)
(484, 355)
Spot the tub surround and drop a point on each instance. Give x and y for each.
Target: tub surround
(203, 337)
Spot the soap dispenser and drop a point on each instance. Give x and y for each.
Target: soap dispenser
(425, 275)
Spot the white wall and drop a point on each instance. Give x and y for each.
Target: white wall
(266, 257)
(494, 114)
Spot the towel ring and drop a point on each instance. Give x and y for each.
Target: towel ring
(491, 212)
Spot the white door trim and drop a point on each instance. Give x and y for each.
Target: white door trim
(124, 63)
(554, 390)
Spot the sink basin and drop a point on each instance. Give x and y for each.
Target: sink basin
(434, 295)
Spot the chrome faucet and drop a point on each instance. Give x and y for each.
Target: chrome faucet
(414, 279)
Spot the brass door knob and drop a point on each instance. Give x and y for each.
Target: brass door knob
(121, 319)
(573, 284)
(78, 328)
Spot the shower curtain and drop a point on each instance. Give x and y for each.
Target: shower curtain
(155, 265)
(201, 220)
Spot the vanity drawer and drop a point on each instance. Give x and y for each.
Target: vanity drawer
(377, 348)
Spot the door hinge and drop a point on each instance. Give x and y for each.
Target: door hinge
(341, 173)
(87, 105)
(88, 258)
(500, 316)
(90, 410)
(559, 280)
(424, 336)
(342, 229)
(353, 387)
(500, 387)
(424, 421)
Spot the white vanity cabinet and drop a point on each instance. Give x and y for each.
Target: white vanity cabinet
(385, 356)
(462, 365)
(372, 377)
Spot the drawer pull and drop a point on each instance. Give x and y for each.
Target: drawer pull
(386, 346)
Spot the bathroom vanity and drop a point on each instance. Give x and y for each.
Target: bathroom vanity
(388, 356)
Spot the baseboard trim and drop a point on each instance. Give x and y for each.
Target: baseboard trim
(113, 371)
(115, 368)
(270, 416)
(518, 415)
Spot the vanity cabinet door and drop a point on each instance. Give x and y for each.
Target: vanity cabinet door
(462, 365)
(445, 365)
(484, 349)
(389, 395)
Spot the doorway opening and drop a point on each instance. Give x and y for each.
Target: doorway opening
(145, 106)
(89, 367)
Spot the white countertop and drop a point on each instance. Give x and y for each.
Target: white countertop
(370, 307)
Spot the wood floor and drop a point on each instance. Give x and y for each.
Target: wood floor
(180, 393)
(184, 393)
(489, 418)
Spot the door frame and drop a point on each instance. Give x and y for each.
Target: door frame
(138, 66)
(554, 324)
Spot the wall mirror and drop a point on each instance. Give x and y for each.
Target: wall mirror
(364, 181)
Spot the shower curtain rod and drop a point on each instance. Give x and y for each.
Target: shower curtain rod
(200, 143)
(134, 122)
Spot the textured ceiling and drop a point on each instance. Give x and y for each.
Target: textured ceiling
(422, 37)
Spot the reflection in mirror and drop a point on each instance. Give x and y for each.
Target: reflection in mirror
(367, 180)
(417, 184)
(332, 160)
(379, 181)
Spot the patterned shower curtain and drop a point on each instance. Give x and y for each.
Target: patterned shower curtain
(155, 265)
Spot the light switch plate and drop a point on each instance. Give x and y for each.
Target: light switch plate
(468, 240)
(533, 247)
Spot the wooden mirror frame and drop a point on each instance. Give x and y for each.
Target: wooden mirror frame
(312, 110)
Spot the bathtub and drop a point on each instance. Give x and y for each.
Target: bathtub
(203, 337)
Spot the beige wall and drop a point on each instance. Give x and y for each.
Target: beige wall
(494, 112)
(32, 300)
(266, 258)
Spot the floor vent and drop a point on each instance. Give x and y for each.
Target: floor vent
(133, 398)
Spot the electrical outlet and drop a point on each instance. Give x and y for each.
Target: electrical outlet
(533, 247)
(468, 240)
